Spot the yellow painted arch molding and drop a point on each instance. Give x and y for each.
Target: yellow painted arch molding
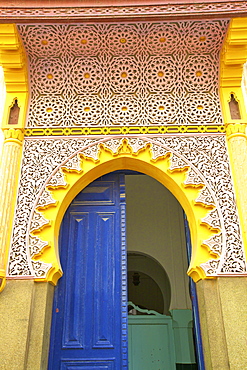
(68, 180)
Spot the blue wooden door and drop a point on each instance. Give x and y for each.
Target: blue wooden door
(89, 327)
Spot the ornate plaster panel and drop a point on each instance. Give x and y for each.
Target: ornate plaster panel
(120, 74)
(205, 159)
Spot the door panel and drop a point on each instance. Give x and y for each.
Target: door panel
(73, 335)
(89, 313)
(104, 312)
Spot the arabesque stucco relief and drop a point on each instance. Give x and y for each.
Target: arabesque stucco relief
(203, 159)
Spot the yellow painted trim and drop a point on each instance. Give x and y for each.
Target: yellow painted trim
(125, 130)
(14, 62)
(233, 56)
(125, 159)
(236, 129)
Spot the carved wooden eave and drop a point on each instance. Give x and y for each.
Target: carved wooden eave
(76, 11)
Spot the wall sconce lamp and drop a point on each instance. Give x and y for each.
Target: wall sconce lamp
(136, 278)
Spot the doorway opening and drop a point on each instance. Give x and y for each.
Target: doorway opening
(91, 293)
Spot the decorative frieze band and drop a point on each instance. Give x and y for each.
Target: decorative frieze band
(169, 10)
(125, 130)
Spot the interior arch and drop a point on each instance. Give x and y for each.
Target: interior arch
(148, 267)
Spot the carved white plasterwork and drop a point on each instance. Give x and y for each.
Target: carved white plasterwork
(205, 197)
(45, 199)
(113, 145)
(214, 243)
(177, 163)
(38, 221)
(205, 156)
(36, 245)
(193, 178)
(114, 74)
(209, 156)
(73, 164)
(212, 219)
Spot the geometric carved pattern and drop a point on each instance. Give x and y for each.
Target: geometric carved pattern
(210, 267)
(41, 268)
(193, 179)
(210, 157)
(177, 163)
(161, 73)
(199, 155)
(73, 164)
(58, 179)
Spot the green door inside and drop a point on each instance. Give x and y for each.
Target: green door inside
(150, 339)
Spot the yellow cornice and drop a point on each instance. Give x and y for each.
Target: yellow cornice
(233, 56)
(14, 62)
(234, 53)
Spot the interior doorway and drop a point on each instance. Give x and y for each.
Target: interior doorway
(157, 279)
(148, 284)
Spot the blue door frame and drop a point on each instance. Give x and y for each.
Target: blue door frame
(195, 308)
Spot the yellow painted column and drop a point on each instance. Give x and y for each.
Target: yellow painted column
(233, 57)
(14, 63)
(11, 154)
(237, 145)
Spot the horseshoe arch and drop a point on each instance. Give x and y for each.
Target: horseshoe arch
(172, 170)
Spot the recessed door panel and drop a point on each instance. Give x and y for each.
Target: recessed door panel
(73, 334)
(104, 313)
(85, 364)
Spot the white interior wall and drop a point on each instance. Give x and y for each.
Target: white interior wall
(155, 227)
